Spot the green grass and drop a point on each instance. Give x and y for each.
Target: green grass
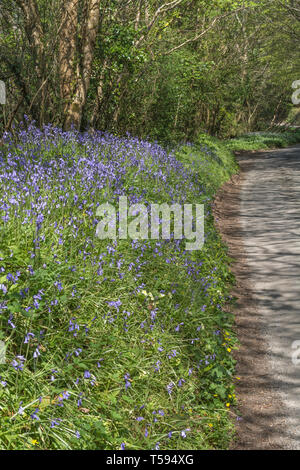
(118, 325)
(264, 141)
(148, 315)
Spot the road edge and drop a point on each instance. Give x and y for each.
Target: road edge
(262, 426)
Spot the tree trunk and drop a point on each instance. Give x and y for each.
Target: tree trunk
(74, 108)
(67, 50)
(34, 32)
(99, 98)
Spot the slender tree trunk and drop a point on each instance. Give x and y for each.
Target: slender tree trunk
(34, 32)
(35, 35)
(74, 108)
(67, 50)
(99, 98)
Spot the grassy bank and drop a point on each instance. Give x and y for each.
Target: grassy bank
(111, 343)
(264, 140)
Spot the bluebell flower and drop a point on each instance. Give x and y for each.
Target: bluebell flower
(36, 353)
(27, 337)
(34, 414)
(3, 288)
(21, 409)
(55, 422)
(127, 383)
(10, 322)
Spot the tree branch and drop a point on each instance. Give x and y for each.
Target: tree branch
(162, 9)
(198, 36)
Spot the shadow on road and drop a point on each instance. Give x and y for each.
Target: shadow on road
(259, 218)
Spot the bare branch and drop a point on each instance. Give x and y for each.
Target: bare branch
(138, 16)
(162, 9)
(198, 36)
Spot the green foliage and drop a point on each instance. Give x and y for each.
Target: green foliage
(161, 79)
(263, 140)
(122, 340)
(209, 156)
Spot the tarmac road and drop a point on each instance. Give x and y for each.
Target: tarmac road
(270, 220)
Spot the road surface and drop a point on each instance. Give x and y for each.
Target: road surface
(270, 222)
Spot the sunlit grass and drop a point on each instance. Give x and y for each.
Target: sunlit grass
(110, 344)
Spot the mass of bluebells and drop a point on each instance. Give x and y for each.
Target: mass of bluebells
(110, 344)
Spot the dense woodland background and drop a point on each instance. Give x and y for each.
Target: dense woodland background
(158, 69)
(119, 343)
